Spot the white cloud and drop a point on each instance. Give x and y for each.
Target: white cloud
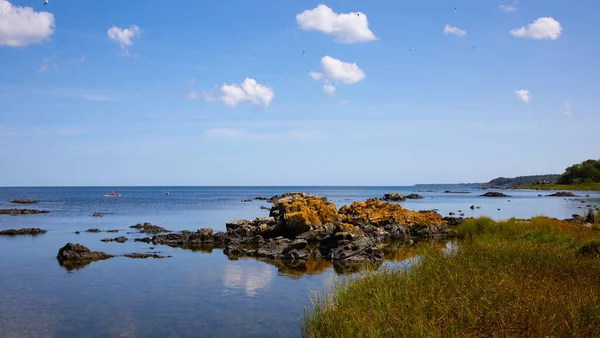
(337, 70)
(454, 30)
(568, 111)
(329, 89)
(346, 28)
(191, 95)
(524, 95)
(124, 36)
(249, 90)
(508, 8)
(21, 26)
(93, 97)
(542, 28)
(243, 134)
(316, 75)
(47, 65)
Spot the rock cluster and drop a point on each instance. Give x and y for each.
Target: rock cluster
(494, 194)
(24, 201)
(562, 194)
(394, 197)
(302, 226)
(15, 212)
(120, 239)
(414, 197)
(148, 228)
(25, 231)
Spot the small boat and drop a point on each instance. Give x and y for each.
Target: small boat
(112, 194)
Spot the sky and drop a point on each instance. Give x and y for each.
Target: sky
(269, 92)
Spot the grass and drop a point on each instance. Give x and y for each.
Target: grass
(579, 187)
(525, 278)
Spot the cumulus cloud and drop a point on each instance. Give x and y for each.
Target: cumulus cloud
(316, 75)
(21, 26)
(231, 95)
(338, 70)
(509, 8)
(243, 134)
(329, 89)
(448, 29)
(350, 27)
(542, 28)
(523, 95)
(568, 111)
(124, 36)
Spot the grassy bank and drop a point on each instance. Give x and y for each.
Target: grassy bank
(581, 187)
(537, 278)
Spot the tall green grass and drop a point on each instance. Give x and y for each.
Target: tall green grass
(525, 278)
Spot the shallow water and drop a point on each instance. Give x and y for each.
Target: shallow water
(193, 293)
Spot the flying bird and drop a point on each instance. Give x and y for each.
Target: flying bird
(357, 14)
(411, 49)
(45, 2)
(303, 53)
(454, 9)
(473, 47)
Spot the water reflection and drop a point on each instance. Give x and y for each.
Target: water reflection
(250, 278)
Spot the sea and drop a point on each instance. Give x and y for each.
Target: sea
(192, 293)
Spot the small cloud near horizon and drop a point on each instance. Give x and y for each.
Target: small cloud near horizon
(523, 95)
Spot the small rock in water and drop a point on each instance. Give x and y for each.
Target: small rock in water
(148, 228)
(472, 207)
(120, 239)
(451, 214)
(460, 211)
(394, 197)
(498, 208)
(563, 194)
(264, 208)
(98, 214)
(77, 232)
(462, 214)
(92, 230)
(23, 201)
(494, 194)
(112, 230)
(477, 207)
(540, 195)
(414, 197)
(25, 231)
(248, 200)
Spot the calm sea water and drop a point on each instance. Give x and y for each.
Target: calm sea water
(194, 293)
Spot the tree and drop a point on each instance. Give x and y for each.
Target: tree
(584, 172)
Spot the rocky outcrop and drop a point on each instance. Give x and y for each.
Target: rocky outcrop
(185, 238)
(24, 201)
(98, 214)
(78, 253)
(562, 194)
(494, 194)
(297, 214)
(93, 230)
(414, 197)
(14, 212)
(591, 217)
(349, 245)
(148, 228)
(394, 197)
(25, 231)
(120, 239)
(260, 198)
(456, 192)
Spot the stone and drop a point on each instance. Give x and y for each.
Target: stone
(78, 252)
(120, 239)
(298, 214)
(394, 197)
(24, 201)
(415, 197)
(591, 217)
(148, 228)
(93, 230)
(112, 230)
(145, 255)
(260, 198)
(563, 194)
(98, 214)
(24, 231)
(494, 194)
(14, 212)
(262, 207)
(472, 207)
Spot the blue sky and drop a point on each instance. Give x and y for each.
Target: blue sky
(78, 107)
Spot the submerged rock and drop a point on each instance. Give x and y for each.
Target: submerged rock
(145, 255)
(394, 197)
(260, 198)
(262, 207)
(562, 194)
(148, 228)
(120, 239)
(25, 231)
(15, 212)
(112, 230)
(494, 194)
(93, 230)
(25, 201)
(415, 197)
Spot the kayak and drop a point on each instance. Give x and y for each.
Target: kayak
(112, 195)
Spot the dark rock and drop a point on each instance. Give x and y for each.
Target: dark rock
(148, 228)
(451, 214)
(93, 230)
(24, 201)
(584, 201)
(77, 232)
(273, 249)
(577, 219)
(98, 214)
(264, 208)
(112, 230)
(247, 200)
(540, 195)
(347, 249)
(120, 239)
(14, 212)
(78, 252)
(394, 197)
(145, 255)
(494, 194)
(414, 197)
(454, 221)
(456, 192)
(477, 207)
(260, 198)
(563, 194)
(255, 240)
(25, 231)
(472, 207)
(461, 214)
(591, 217)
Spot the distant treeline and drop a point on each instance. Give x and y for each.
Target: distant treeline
(584, 172)
(525, 180)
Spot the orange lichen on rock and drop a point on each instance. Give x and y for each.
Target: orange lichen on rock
(305, 213)
(377, 213)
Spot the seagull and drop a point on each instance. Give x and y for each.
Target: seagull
(303, 53)
(473, 47)
(454, 9)
(411, 49)
(357, 14)
(45, 2)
